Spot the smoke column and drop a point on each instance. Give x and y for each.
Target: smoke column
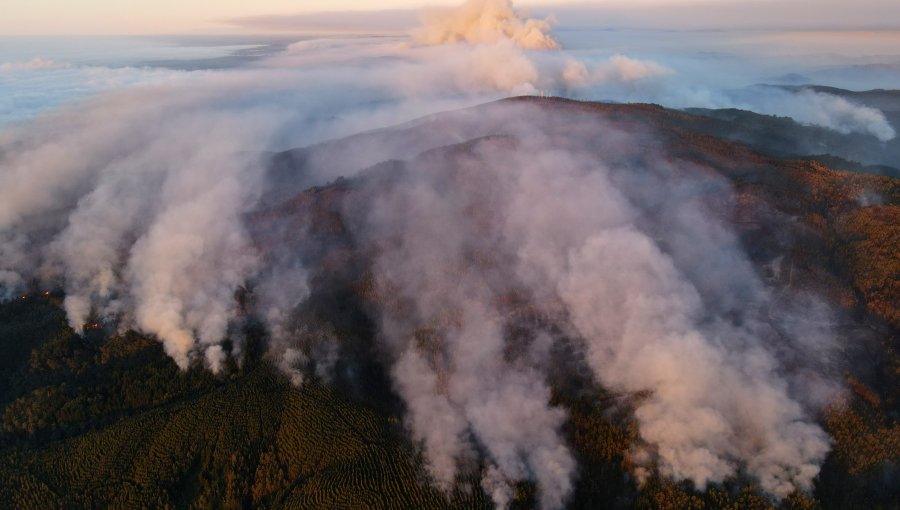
(485, 22)
(616, 248)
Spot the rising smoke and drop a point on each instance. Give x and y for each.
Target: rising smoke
(819, 109)
(136, 203)
(485, 22)
(620, 251)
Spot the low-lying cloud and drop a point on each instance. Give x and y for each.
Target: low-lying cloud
(612, 248)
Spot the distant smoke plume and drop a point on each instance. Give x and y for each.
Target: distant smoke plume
(151, 229)
(485, 22)
(821, 109)
(617, 71)
(845, 117)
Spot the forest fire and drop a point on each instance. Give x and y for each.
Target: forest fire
(564, 259)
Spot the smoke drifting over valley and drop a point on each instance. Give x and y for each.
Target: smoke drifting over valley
(506, 246)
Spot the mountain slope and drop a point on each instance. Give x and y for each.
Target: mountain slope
(109, 421)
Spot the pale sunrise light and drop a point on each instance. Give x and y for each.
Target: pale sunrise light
(121, 17)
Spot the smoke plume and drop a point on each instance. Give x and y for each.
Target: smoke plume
(136, 204)
(485, 22)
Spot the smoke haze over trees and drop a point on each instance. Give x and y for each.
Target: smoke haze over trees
(489, 267)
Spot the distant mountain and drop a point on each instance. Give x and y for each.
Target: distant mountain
(107, 421)
(858, 76)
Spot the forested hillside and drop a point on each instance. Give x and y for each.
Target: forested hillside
(107, 420)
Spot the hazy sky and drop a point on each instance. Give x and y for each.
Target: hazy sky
(154, 16)
(63, 17)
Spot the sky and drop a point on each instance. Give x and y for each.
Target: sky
(56, 17)
(124, 17)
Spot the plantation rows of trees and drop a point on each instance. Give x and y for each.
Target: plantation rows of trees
(121, 427)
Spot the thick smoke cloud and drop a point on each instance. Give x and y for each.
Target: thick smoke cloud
(459, 388)
(627, 258)
(642, 319)
(141, 221)
(135, 203)
(146, 220)
(485, 22)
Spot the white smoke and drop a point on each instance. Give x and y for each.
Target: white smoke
(651, 322)
(136, 204)
(642, 321)
(662, 294)
(458, 384)
(624, 69)
(826, 110)
(485, 22)
(619, 74)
